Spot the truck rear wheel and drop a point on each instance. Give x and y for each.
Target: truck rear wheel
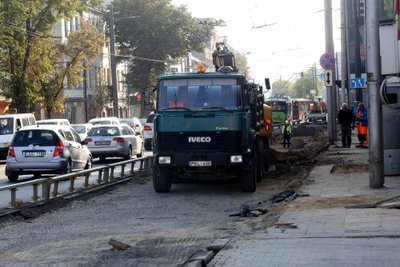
(248, 176)
(161, 179)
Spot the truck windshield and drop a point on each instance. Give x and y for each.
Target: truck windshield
(200, 94)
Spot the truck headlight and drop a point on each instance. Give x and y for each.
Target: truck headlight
(236, 159)
(164, 160)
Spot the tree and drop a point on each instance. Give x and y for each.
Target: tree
(303, 86)
(101, 97)
(59, 63)
(281, 88)
(241, 64)
(24, 25)
(153, 33)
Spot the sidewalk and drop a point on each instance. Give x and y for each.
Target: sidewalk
(330, 227)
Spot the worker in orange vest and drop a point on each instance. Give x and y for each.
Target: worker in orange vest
(362, 127)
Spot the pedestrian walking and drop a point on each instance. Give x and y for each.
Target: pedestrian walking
(354, 110)
(287, 131)
(345, 119)
(362, 127)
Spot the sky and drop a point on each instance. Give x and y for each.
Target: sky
(292, 40)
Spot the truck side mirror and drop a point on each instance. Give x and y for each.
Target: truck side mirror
(267, 84)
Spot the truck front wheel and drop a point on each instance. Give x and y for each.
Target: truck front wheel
(248, 176)
(161, 179)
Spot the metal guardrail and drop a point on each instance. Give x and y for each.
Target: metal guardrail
(50, 186)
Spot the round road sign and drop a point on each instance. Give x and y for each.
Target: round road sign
(327, 61)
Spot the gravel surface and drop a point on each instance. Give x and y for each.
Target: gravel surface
(162, 229)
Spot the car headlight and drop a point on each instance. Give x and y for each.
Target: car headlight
(164, 160)
(236, 159)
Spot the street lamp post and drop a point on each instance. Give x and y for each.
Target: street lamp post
(113, 62)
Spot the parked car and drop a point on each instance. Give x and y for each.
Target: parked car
(82, 129)
(148, 132)
(54, 122)
(9, 125)
(114, 141)
(134, 123)
(53, 149)
(104, 120)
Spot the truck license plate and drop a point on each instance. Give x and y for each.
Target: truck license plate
(199, 163)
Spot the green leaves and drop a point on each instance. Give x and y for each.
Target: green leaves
(28, 50)
(155, 29)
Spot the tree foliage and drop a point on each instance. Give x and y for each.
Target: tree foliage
(153, 33)
(241, 64)
(303, 85)
(60, 63)
(281, 88)
(25, 33)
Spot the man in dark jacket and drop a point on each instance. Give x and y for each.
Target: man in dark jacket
(345, 119)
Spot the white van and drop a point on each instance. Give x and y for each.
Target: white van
(9, 125)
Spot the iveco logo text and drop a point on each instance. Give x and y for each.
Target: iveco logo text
(199, 139)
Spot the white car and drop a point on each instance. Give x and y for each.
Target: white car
(82, 129)
(114, 141)
(46, 149)
(148, 132)
(104, 120)
(54, 122)
(134, 123)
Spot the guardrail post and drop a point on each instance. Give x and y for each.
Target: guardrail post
(112, 173)
(71, 184)
(86, 184)
(35, 192)
(46, 187)
(123, 170)
(132, 167)
(106, 175)
(13, 197)
(99, 177)
(147, 163)
(55, 191)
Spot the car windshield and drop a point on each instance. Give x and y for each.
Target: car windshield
(6, 126)
(101, 122)
(79, 128)
(200, 94)
(47, 122)
(127, 121)
(35, 137)
(104, 131)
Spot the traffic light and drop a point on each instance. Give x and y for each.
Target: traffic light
(301, 74)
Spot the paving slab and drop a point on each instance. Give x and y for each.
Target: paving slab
(326, 228)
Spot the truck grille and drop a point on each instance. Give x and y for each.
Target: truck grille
(200, 140)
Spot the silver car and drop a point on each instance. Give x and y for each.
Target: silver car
(53, 149)
(114, 141)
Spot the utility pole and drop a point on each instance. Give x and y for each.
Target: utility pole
(330, 90)
(113, 63)
(343, 55)
(375, 129)
(315, 79)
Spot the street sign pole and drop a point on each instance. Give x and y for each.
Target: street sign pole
(330, 90)
(375, 129)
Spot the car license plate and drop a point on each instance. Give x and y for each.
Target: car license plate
(199, 163)
(34, 154)
(102, 143)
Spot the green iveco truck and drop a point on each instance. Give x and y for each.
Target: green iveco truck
(210, 125)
